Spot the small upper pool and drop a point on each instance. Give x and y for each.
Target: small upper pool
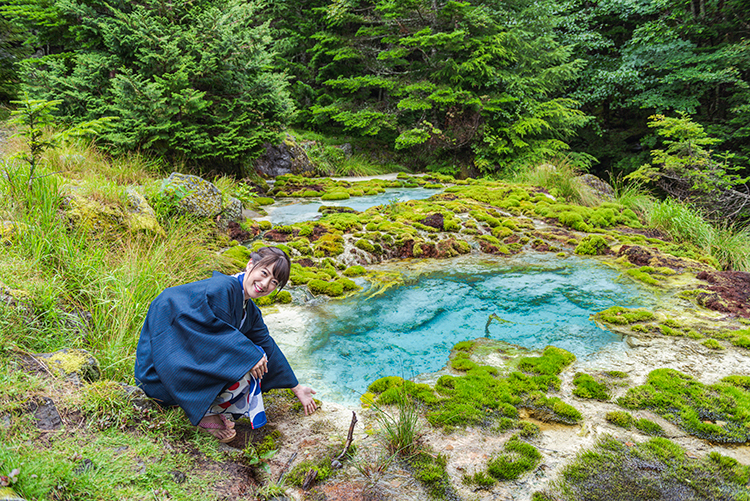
(339, 347)
(290, 211)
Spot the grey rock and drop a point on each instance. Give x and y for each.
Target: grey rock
(138, 397)
(347, 149)
(195, 194)
(46, 414)
(288, 157)
(601, 189)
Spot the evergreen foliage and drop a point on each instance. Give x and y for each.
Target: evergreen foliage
(189, 81)
(459, 80)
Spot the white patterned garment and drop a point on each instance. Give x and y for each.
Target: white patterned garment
(243, 399)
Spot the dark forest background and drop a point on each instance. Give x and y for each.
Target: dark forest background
(480, 87)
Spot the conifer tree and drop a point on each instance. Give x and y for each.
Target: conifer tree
(187, 80)
(463, 80)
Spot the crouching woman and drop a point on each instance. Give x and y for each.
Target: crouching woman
(204, 347)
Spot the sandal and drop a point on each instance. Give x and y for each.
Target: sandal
(205, 427)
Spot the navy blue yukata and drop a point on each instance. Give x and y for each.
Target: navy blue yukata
(194, 344)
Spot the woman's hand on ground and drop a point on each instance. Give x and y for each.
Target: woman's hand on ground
(305, 395)
(259, 370)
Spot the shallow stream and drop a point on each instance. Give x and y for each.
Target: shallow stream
(340, 346)
(297, 210)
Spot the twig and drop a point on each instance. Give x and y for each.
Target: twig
(286, 467)
(336, 462)
(309, 479)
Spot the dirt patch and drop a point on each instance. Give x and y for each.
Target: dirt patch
(646, 232)
(236, 232)
(433, 221)
(733, 289)
(650, 256)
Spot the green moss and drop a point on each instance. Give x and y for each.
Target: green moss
(517, 458)
(552, 361)
(621, 418)
(429, 469)
(297, 475)
(464, 346)
(333, 289)
(553, 408)
(239, 255)
(283, 297)
(355, 271)
(649, 427)
(643, 276)
(365, 245)
(587, 387)
(573, 220)
(329, 244)
(619, 315)
(592, 245)
(720, 412)
(335, 195)
(738, 381)
(479, 479)
(654, 470)
(461, 364)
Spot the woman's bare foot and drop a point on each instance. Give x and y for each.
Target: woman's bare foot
(218, 426)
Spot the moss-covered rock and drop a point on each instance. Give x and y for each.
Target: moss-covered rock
(72, 362)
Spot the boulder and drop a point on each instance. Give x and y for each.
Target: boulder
(194, 194)
(288, 157)
(601, 189)
(93, 215)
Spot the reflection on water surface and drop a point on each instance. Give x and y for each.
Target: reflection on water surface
(340, 346)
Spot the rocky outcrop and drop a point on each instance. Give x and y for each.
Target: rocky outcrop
(601, 189)
(288, 157)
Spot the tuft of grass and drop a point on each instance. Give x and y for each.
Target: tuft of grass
(559, 178)
(401, 433)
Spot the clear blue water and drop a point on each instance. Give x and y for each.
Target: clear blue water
(290, 211)
(339, 347)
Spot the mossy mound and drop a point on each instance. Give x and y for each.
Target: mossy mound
(619, 315)
(588, 387)
(719, 412)
(657, 469)
(552, 361)
(481, 396)
(626, 420)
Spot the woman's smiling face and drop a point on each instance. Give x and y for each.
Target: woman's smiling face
(259, 281)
